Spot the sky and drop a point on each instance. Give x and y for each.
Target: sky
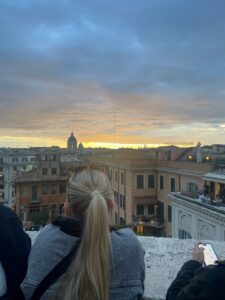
(116, 73)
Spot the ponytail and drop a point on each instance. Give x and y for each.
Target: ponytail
(88, 277)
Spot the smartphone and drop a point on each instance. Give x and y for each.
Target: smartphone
(209, 253)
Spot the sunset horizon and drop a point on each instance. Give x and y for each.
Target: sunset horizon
(131, 73)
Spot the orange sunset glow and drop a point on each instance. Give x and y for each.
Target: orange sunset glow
(115, 80)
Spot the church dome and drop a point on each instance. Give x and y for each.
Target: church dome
(72, 142)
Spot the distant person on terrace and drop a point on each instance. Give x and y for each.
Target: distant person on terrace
(107, 265)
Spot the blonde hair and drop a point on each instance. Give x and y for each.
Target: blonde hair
(87, 278)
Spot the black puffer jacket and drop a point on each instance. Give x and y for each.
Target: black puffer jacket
(15, 247)
(194, 282)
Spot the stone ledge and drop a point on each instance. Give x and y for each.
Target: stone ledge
(163, 259)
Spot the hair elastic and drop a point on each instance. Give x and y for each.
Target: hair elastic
(95, 193)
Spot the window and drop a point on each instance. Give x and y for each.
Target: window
(1, 160)
(161, 211)
(151, 181)
(121, 200)
(192, 187)
(24, 159)
(116, 175)
(33, 159)
(15, 159)
(122, 178)
(1, 169)
(24, 190)
(62, 188)
(124, 202)
(34, 193)
(44, 189)
(151, 209)
(140, 181)
(61, 208)
(122, 221)
(169, 213)
(24, 168)
(161, 184)
(54, 188)
(182, 234)
(116, 218)
(44, 171)
(172, 184)
(14, 168)
(53, 157)
(54, 171)
(116, 197)
(44, 157)
(62, 171)
(140, 209)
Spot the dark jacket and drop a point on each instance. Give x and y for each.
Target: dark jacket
(15, 247)
(194, 282)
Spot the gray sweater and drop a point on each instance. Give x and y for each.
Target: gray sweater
(127, 267)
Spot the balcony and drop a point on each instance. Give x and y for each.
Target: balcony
(148, 225)
(199, 197)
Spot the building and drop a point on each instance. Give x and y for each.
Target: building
(200, 214)
(11, 162)
(142, 181)
(72, 142)
(42, 192)
(142, 185)
(218, 149)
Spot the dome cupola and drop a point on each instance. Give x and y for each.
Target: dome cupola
(72, 142)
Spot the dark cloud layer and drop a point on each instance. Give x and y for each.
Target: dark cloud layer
(159, 64)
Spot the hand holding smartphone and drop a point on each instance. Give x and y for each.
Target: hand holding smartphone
(209, 253)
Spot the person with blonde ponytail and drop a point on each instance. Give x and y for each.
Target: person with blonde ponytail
(107, 265)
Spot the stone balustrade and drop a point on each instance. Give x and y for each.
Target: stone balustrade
(163, 259)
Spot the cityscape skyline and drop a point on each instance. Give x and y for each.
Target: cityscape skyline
(116, 73)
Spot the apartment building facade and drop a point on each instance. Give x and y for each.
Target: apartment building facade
(11, 162)
(43, 190)
(142, 185)
(201, 215)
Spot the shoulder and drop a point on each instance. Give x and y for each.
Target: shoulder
(6, 213)
(213, 271)
(49, 248)
(126, 239)
(50, 238)
(125, 234)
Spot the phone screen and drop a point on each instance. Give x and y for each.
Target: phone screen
(209, 253)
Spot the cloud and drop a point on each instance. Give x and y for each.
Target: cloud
(67, 65)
